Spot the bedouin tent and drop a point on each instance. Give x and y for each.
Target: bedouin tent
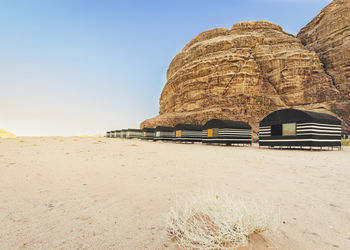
(227, 132)
(164, 133)
(116, 133)
(123, 133)
(133, 133)
(148, 133)
(188, 133)
(292, 127)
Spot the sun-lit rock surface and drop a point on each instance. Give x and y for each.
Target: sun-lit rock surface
(329, 35)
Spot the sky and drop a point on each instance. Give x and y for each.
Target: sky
(83, 67)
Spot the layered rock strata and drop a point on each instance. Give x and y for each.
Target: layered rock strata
(328, 34)
(244, 74)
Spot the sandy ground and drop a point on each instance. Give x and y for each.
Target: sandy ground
(100, 193)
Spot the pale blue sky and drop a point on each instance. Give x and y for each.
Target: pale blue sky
(83, 67)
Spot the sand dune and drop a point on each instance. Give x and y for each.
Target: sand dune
(101, 193)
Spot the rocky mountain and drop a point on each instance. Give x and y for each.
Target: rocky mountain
(244, 73)
(329, 35)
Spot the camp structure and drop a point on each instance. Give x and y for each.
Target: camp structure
(299, 128)
(108, 134)
(148, 133)
(188, 133)
(227, 132)
(116, 133)
(111, 134)
(133, 133)
(123, 133)
(164, 133)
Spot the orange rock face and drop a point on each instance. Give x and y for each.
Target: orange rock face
(244, 74)
(328, 34)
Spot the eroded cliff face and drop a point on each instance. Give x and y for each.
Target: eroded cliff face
(328, 34)
(244, 74)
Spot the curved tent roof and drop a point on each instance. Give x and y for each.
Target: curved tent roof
(164, 128)
(148, 129)
(133, 129)
(216, 123)
(182, 126)
(295, 115)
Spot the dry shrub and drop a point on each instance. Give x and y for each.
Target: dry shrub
(216, 221)
(345, 142)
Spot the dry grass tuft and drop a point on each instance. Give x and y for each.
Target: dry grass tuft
(345, 142)
(217, 221)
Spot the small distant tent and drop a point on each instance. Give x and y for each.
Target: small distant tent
(299, 128)
(188, 133)
(148, 133)
(163, 133)
(112, 134)
(133, 133)
(123, 133)
(117, 133)
(227, 132)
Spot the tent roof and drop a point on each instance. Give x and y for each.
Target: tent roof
(182, 126)
(148, 129)
(295, 115)
(164, 128)
(216, 123)
(133, 129)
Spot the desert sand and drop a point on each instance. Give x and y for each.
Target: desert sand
(105, 193)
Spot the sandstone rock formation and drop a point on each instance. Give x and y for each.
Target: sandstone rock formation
(244, 74)
(329, 35)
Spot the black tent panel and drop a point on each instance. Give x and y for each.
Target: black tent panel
(216, 123)
(298, 116)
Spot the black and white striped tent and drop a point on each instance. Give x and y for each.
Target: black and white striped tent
(148, 133)
(298, 128)
(112, 134)
(133, 133)
(108, 134)
(188, 133)
(164, 133)
(123, 133)
(116, 133)
(227, 132)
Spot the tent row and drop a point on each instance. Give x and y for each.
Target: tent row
(214, 131)
(282, 128)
